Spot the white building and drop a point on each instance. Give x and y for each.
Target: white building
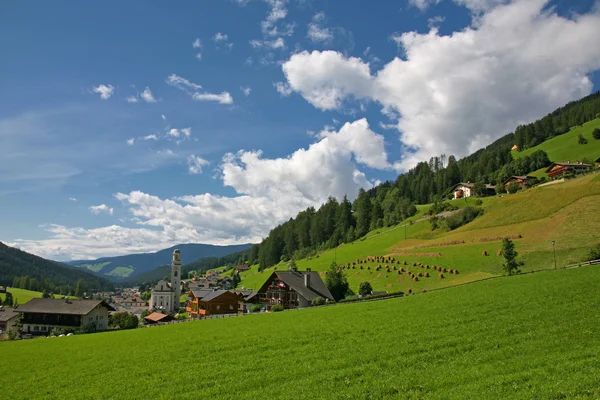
(165, 296)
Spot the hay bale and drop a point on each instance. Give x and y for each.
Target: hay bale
(499, 252)
(484, 253)
(455, 272)
(426, 274)
(441, 276)
(415, 279)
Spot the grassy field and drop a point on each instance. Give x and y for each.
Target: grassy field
(123, 272)
(566, 147)
(94, 267)
(22, 295)
(566, 212)
(529, 336)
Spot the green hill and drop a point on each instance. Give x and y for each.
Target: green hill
(522, 337)
(565, 212)
(23, 295)
(566, 147)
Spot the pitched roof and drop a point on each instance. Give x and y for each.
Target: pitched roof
(7, 313)
(156, 317)
(57, 306)
(519, 177)
(295, 280)
(209, 294)
(567, 164)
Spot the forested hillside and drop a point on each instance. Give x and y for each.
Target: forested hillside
(24, 270)
(391, 202)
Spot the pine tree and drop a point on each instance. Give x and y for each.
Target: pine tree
(511, 265)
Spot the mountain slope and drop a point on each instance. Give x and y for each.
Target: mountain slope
(132, 265)
(15, 262)
(565, 212)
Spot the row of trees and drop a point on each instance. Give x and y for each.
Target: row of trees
(31, 283)
(558, 122)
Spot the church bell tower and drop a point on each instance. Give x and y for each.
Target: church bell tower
(176, 278)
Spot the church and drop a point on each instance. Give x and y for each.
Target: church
(165, 297)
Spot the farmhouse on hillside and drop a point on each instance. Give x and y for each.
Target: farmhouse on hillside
(165, 297)
(207, 302)
(523, 181)
(241, 268)
(463, 189)
(41, 315)
(559, 169)
(8, 318)
(291, 289)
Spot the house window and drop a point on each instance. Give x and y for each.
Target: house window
(36, 328)
(218, 307)
(230, 307)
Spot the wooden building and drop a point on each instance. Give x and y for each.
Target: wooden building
(8, 318)
(207, 302)
(523, 181)
(291, 289)
(559, 169)
(157, 318)
(466, 189)
(40, 316)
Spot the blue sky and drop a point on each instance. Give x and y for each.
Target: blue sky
(133, 126)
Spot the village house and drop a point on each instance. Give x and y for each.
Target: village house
(559, 169)
(8, 318)
(40, 316)
(156, 318)
(207, 302)
(133, 302)
(291, 289)
(2, 289)
(199, 283)
(241, 268)
(463, 189)
(523, 181)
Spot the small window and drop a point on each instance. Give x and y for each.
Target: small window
(36, 328)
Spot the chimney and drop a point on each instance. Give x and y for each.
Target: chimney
(307, 278)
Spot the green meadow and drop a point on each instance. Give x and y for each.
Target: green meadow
(529, 336)
(565, 212)
(22, 295)
(566, 147)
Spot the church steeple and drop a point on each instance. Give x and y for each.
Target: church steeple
(176, 278)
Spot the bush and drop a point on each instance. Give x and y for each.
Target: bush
(438, 207)
(463, 217)
(277, 308)
(594, 253)
(256, 307)
(581, 139)
(365, 289)
(596, 134)
(513, 187)
(317, 301)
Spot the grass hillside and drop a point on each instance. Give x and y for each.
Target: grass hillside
(565, 212)
(23, 295)
(522, 337)
(566, 147)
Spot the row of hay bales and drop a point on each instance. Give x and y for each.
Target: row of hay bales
(401, 270)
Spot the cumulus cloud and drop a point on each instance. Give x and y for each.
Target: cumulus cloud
(174, 132)
(195, 164)
(278, 43)
(105, 91)
(317, 32)
(246, 90)
(153, 136)
(268, 191)
(147, 96)
(130, 141)
(102, 208)
(283, 88)
(197, 44)
(132, 99)
(222, 39)
(192, 88)
(453, 94)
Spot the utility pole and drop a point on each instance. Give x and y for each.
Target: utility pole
(554, 250)
(406, 223)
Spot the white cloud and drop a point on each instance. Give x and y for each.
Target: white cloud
(278, 43)
(174, 132)
(317, 33)
(246, 90)
(195, 164)
(132, 99)
(191, 89)
(147, 96)
(102, 208)
(105, 91)
(277, 11)
(187, 132)
(220, 37)
(422, 4)
(269, 191)
(222, 98)
(199, 56)
(197, 44)
(164, 117)
(453, 94)
(283, 88)
(130, 141)
(73, 199)
(154, 137)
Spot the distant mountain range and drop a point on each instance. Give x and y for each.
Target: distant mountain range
(15, 262)
(131, 265)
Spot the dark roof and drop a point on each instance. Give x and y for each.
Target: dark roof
(57, 306)
(521, 177)
(7, 313)
(567, 164)
(209, 294)
(295, 280)
(471, 185)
